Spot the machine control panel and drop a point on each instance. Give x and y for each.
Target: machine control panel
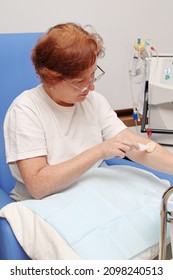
(167, 72)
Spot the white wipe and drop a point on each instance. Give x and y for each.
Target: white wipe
(149, 147)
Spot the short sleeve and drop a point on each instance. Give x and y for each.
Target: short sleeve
(23, 134)
(109, 122)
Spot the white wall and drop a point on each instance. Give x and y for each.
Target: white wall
(120, 22)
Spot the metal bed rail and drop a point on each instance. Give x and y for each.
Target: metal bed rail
(166, 217)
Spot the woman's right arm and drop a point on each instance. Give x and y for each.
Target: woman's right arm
(42, 179)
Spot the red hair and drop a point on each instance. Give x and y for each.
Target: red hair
(65, 51)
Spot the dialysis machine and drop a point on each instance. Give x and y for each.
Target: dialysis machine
(154, 73)
(158, 100)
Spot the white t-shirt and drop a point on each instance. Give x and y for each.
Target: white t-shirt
(36, 126)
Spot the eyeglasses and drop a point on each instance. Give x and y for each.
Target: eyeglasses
(90, 83)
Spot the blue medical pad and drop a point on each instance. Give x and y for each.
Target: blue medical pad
(110, 213)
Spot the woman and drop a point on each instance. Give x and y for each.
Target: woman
(56, 132)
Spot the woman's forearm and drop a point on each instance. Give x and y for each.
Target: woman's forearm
(42, 179)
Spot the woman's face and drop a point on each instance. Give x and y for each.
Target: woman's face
(68, 92)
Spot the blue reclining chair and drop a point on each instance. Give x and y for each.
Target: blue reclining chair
(17, 74)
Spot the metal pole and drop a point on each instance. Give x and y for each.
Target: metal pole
(163, 231)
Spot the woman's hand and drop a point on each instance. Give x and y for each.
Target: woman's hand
(117, 147)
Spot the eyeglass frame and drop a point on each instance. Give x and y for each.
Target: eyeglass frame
(90, 83)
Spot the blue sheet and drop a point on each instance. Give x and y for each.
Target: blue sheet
(111, 213)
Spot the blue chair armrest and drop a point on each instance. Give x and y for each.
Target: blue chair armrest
(4, 198)
(10, 248)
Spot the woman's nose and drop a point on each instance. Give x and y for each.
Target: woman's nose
(91, 87)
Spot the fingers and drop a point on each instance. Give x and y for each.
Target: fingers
(117, 147)
(124, 148)
(127, 146)
(121, 149)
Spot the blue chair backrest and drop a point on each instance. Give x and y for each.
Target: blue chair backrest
(16, 75)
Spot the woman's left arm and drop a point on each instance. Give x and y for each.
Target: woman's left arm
(159, 159)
